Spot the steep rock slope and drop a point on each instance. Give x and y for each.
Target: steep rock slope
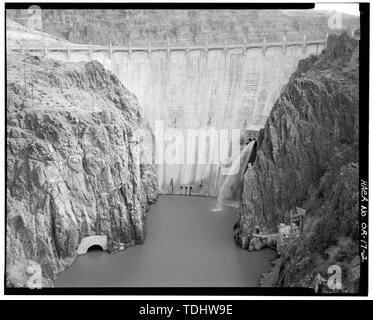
(18, 35)
(136, 26)
(74, 168)
(308, 157)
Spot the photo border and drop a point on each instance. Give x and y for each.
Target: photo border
(226, 291)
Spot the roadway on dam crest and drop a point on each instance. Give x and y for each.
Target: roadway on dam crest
(186, 245)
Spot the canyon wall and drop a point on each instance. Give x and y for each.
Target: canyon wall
(308, 157)
(73, 170)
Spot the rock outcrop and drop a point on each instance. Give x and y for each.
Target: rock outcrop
(308, 157)
(74, 166)
(123, 26)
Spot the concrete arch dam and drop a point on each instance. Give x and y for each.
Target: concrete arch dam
(232, 87)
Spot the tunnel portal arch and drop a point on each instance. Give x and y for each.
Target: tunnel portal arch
(95, 247)
(90, 241)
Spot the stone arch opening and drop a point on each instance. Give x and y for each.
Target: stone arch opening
(95, 248)
(90, 241)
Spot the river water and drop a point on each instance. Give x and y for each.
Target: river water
(186, 245)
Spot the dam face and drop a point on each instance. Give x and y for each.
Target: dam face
(231, 89)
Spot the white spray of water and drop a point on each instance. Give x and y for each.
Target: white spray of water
(238, 166)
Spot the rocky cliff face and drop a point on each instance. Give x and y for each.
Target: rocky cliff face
(308, 157)
(136, 26)
(73, 166)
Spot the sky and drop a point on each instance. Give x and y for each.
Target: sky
(348, 8)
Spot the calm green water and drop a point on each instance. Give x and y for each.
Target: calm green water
(186, 245)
